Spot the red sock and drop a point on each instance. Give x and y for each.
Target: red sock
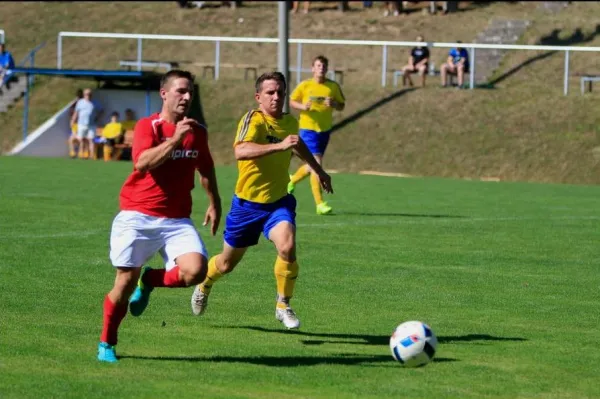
(113, 315)
(163, 278)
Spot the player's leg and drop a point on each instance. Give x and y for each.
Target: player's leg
(82, 142)
(460, 72)
(185, 259)
(243, 225)
(130, 247)
(114, 311)
(406, 71)
(91, 134)
(318, 149)
(423, 74)
(280, 228)
(309, 137)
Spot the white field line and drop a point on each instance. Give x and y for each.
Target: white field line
(80, 233)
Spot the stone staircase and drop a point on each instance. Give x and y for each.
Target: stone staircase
(499, 31)
(9, 97)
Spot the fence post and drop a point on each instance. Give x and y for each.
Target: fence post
(566, 85)
(26, 108)
(217, 58)
(384, 65)
(59, 52)
(472, 69)
(139, 54)
(299, 64)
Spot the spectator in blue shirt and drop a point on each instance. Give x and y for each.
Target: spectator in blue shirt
(7, 63)
(457, 64)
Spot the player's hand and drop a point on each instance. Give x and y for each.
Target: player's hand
(213, 216)
(307, 105)
(182, 127)
(329, 102)
(290, 141)
(325, 181)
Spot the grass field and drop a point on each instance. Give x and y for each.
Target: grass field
(505, 273)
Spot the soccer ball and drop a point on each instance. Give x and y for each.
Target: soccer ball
(413, 344)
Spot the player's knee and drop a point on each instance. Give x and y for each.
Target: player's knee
(195, 274)
(287, 249)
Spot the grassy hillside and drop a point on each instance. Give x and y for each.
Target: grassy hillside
(522, 129)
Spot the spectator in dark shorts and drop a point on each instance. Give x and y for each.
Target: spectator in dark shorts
(418, 62)
(457, 64)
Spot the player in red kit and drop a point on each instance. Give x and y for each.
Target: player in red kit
(155, 208)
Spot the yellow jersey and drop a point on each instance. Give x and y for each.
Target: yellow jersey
(128, 125)
(319, 117)
(112, 130)
(264, 180)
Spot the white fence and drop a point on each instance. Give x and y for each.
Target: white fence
(299, 42)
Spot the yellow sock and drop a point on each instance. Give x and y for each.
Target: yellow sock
(316, 189)
(301, 174)
(212, 275)
(285, 274)
(107, 151)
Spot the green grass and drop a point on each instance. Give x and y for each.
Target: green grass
(505, 273)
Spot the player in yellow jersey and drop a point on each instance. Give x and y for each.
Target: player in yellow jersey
(265, 140)
(316, 98)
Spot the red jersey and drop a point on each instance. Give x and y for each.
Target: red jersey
(165, 191)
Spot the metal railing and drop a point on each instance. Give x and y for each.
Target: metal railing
(385, 45)
(30, 57)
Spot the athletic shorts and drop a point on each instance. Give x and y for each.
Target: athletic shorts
(136, 237)
(86, 131)
(315, 141)
(246, 220)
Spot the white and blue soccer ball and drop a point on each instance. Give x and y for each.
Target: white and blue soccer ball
(413, 344)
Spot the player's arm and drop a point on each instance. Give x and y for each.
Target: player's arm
(74, 117)
(296, 100)
(338, 102)
(146, 156)
(247, 150)
(301, 151)
(208, 179)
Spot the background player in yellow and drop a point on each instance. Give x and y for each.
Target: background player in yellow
(316, 98)
(265, 140)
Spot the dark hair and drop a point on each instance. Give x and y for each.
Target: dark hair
(115, 113)
(175, 73)
(321, 58)
(79, 93)
(277, 76)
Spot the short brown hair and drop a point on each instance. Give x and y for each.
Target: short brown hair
(277, 76)
(175, 73)
(321, 58)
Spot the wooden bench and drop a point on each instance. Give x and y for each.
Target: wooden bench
(168, 65)
(588, 78)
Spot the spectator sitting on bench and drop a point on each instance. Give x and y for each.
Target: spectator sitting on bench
(113, 133)
(457, 64)
(7, 63)
(418, 61)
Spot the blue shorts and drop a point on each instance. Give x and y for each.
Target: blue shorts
(246, 220)
(315, 141)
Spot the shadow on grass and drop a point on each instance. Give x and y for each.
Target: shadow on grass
(344, 359)
(276, 361)
(551, 39)
(405, 215)
(359, 114)
(362, 339)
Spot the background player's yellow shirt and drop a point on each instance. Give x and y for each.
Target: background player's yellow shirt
(320, 117)
(128, 125)
(112, 130)
(265, 179)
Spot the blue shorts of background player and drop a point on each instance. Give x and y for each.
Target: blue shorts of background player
(315, 141)
(246, 219)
